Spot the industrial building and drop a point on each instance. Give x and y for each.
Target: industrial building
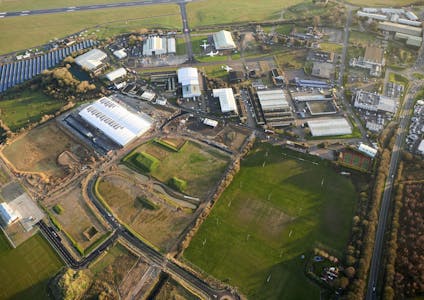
(323, 70)
(226, 100)
(116, 74)
(92, 60)
(373, 60)
(120, 54)
(189, 80)
(7, 214)
(328, 127)
(311, 83)
(367, 150)
(156, 45)
(373, 16)
(223, 40)
(116, 121)
(401, 28)
(411, 40)
(375, 102)
(275, 107)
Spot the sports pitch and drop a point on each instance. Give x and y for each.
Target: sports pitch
(277, 208)
(25, 271)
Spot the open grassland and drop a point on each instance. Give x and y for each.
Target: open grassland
(28, 107)
(200, 166)
(292, 59)
(160, 226)
(39, 29)
(211, 12)
(276, 209)
(19, 5)
(38, 150)
(25, 271)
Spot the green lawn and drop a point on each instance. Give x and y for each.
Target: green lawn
(25, 271)
(276, 209)
(39, 29)
(211, 12)
(27, 108)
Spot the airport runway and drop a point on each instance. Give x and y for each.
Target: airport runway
(85, 8)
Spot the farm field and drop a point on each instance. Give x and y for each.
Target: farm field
(25, 271)
(77, 217)
(27, 108)
(38, 151)
(199, 165)
(160, 226)
(211, 12)
(39, 29)
(276, 209)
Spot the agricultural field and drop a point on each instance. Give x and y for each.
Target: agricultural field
(277, 209)
(212, 12)
(199, 165)
(39, 29)
(45, 150)
(128, 195)
(28, 107)
(25, 271)
(76, 216)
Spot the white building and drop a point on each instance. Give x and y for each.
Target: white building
(395, 27)
(327, 127)
(371, 15)
(115, 74)
(189, 80)
(91, 60)
(375, 102)
(210, 122)
(223, 40)
(226, 100)
(120, 54)
(7, 214)
(156, 45)
(370, 151)
(272, 100)
(115, 121)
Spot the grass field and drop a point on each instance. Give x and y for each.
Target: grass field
(112, 254)
(211, 12)
(27, 108)
(39, 29)
(291, 60)
(276, 209)
(24, 271)
(199, 166)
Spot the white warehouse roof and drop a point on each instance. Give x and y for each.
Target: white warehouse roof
(226, 99)
(370, 151)
(120, 53)
(117, 122)
(189, 79)
(7, 214)
(223, 40)
(273, 100)
(115, 74)
(91, 60)
(325, 127)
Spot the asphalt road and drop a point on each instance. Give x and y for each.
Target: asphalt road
(186, 32)
(84, 8)
(375, 267)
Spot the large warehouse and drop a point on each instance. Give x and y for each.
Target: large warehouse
(223, 40)
(275, 108)
(91, 60)
(327, 127)
(115, 121)
(156, 45)
(189, 80)
(7, 214)
(226, 100)
(116, 74)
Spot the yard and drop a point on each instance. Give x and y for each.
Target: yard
(278, 207)
(28, 107)
(25, 271)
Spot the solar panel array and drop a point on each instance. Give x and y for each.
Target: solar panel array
(17, 72)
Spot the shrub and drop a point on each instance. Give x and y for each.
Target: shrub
(58, 209)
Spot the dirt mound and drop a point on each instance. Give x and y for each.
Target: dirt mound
(67, 159)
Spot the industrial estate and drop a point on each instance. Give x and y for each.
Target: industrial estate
(210, 149)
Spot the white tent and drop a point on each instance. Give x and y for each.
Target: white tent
(326, 127)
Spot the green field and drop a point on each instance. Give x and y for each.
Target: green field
(39, 29)
(211, 12)
(25, 271)
(276, 209)
(27, 108)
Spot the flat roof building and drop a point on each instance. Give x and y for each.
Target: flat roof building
(7, 214)
(223, 40)
(375, 102)
(275, 108)
(323, 70)
(374, 55)
(327, 127)
(156, 45)
(370, 151)
(226, 100)
(395, 27)
(116, 74)
(189, 80)
(117, 122)
(120, 54)
(91, 60)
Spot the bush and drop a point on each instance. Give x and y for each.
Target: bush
(178, 184)
(58, 209)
